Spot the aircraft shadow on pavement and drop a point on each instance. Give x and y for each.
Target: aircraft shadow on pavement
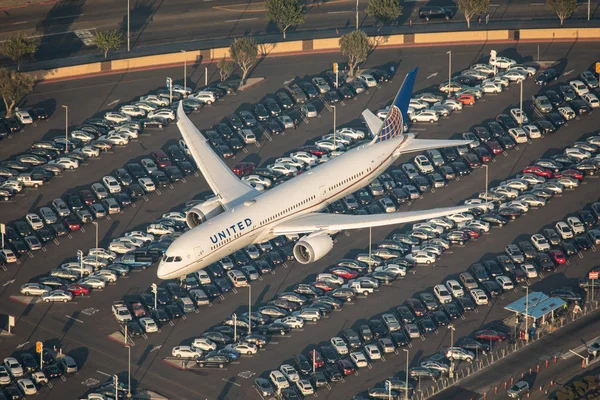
(60, 45)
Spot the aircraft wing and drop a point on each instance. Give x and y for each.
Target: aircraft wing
(321, 222)
(222, 181)
(413, 145)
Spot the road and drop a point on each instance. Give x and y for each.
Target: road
(64, 28)
(81, 328)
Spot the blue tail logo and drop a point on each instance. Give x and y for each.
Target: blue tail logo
(393, 125)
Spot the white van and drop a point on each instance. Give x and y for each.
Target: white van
(247, 136)
(237, 278)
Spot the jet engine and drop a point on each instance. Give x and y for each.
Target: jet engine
(203, 212)
(312, 247)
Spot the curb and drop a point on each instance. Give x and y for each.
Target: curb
(172, 364)
(29, 4)
(305, 52)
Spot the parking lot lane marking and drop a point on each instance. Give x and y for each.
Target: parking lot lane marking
(233, 383)
(240, 20)
(341, 12)
(103, 373)
(74, 319)
(8, 282)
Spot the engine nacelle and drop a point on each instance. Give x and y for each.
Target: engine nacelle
(203, 212)
(311, 248)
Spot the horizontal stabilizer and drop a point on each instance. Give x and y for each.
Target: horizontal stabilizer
(374, 123)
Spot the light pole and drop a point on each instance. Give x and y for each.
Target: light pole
(234, 327)
(334, 125)
(249, 309)
(357, 15)
(66, 128)
(370, 244)
(589, 9)
(449, 52)
(128, 362)
(451, 372)
(170, 82)
(184, 74)
(314, 360)
(128, 31)
(155, 291)
(116, 378)
(96, 225)
(388, 384)
(80, 259)
(486, 186)
(521, 105)
(406, 377)
(526, 313)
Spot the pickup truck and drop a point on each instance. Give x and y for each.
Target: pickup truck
(121, 312)
(29, 181)
(362, 288)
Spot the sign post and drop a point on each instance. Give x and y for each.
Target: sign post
(598, 68)
(39, 348)
(155, 291)
(2, 231)
(11, 322)
(335, 71)
(594, 274)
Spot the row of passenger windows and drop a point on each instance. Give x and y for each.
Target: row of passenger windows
(224, 242)
(345, 181)
(283, 212)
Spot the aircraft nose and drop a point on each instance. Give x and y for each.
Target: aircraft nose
(163, 271)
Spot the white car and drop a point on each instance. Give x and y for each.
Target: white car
(329, 145)
(149, 165)
(185, 352)
(418, 105)
(132, 111)
(591, 99)
(518, 135)
(82, 136)
(116, 138)
(34, 221)
(479, 297)
(159, 229)
(57, 295)
(425, 116)
(505, 191)
(305, 157)
(146, 106)
(305, 387)
(455, 288)
(359, 359)
(94, 282)
(339, 345)
(563, 230)
(540, 242)
(442, 294)
(325, 277)
(278, 380)
(88, 151)
(481, 204)
(140, 235)
(519, 116)
(147, 184)
(131, 132)
(162, 113)
(397, 270)
(4, 376)
(490, 87)
(111, 184)
(355, 134)
(321, 84)
(486, 68)
(530, 71)
(121, 247)
(532, 131)
(387, 205)
(291, 162)
(454, 104)
(154, 99)
(423, 163)
(289, 372)
(282, 169)
(248, 349)
(368, 80)
(34, 289)
(373, 352)
(65, 162)
(105, 274)
(117, 117)
(102, 253)
(577, 154)
(292, 321)
(475, 223)
(421, 257)
(258, 180)
(174, 215)
(576, 225)
(567, 113)
(579, 87)
(519, 205)
(529, 270)
(460, 217)
(148, 325)
(204, 344)
(13, 367)
(505, 282)
(514, 76)
(27, 387)
(24, 117)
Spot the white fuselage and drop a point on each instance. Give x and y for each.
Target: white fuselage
(252, 220)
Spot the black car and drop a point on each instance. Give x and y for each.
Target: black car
(352, 338)
(154, 123)
(285, 100)
(466, 303)
(545, 262)
(479, 272)
(580, 106)
(303, 365)
(328, 354)
(365, 333)
(213, 361)
(378, 328)
(400, 338)
(12, 393)
(567, 92)
(555, 98)
(440, 317)
(506, 121)
(217, 337)
(28, 361)
(460, 168)
(406, 315)
(452, 310)
(546, 77)
(273, 127)
(582, 243)
(173, 173)
(52, 371)
(274, 328)
(333, 373)
(492, 288)
(261, 112)
(133, 329)
(568, 247)
(473, 345)
(567, 294)
(494, 219)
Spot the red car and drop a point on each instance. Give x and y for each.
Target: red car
(346, 367)
(243, 168)
(343, 272)
(518, 275)
(314, 150)
(558, 257)
(71, 223)
(466, 99)
(483, 154)
(416, 306)
(490, 335)
(472, 232)
(87, 196)
(494, 147)
(78, 290)
(573, 173)
(161, 159)
(315, 357)
(537, 170)
(325, 286)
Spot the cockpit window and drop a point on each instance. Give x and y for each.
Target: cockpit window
(170, 259)
(178, 259)
(164, 258)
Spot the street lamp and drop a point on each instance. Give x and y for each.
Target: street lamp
(249, 309)
(234, 327)
(170, 83)
(116, 379)
(80, 259)
(486, 186)
(184, 73)
(406, 378)
(128, 30)
(357, 15)
(449, 52)
(388, 384)
(334, 126)
(126, 342)
(452, 329)
(66, 128)
(526, 313)
(521, 105)
(96, 247)
(155, 291)
(370, 244)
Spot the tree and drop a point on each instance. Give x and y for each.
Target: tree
(384, 10)
(355, 45)
(285, 13)
(563, 8)
(226, 68)
(13, 87)
(244, 52)
(17, 47)
(108, 40)
(473, 7)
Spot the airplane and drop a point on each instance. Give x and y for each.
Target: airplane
(239, 215)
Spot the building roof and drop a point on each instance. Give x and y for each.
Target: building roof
(539, 305)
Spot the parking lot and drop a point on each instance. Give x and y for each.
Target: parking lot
(83, 326)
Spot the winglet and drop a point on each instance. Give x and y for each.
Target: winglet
(393, 125)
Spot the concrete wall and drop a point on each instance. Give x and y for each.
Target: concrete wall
(563, 33)
(454, 37)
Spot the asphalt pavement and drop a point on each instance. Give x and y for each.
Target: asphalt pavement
(65, 28)
(82, 327)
